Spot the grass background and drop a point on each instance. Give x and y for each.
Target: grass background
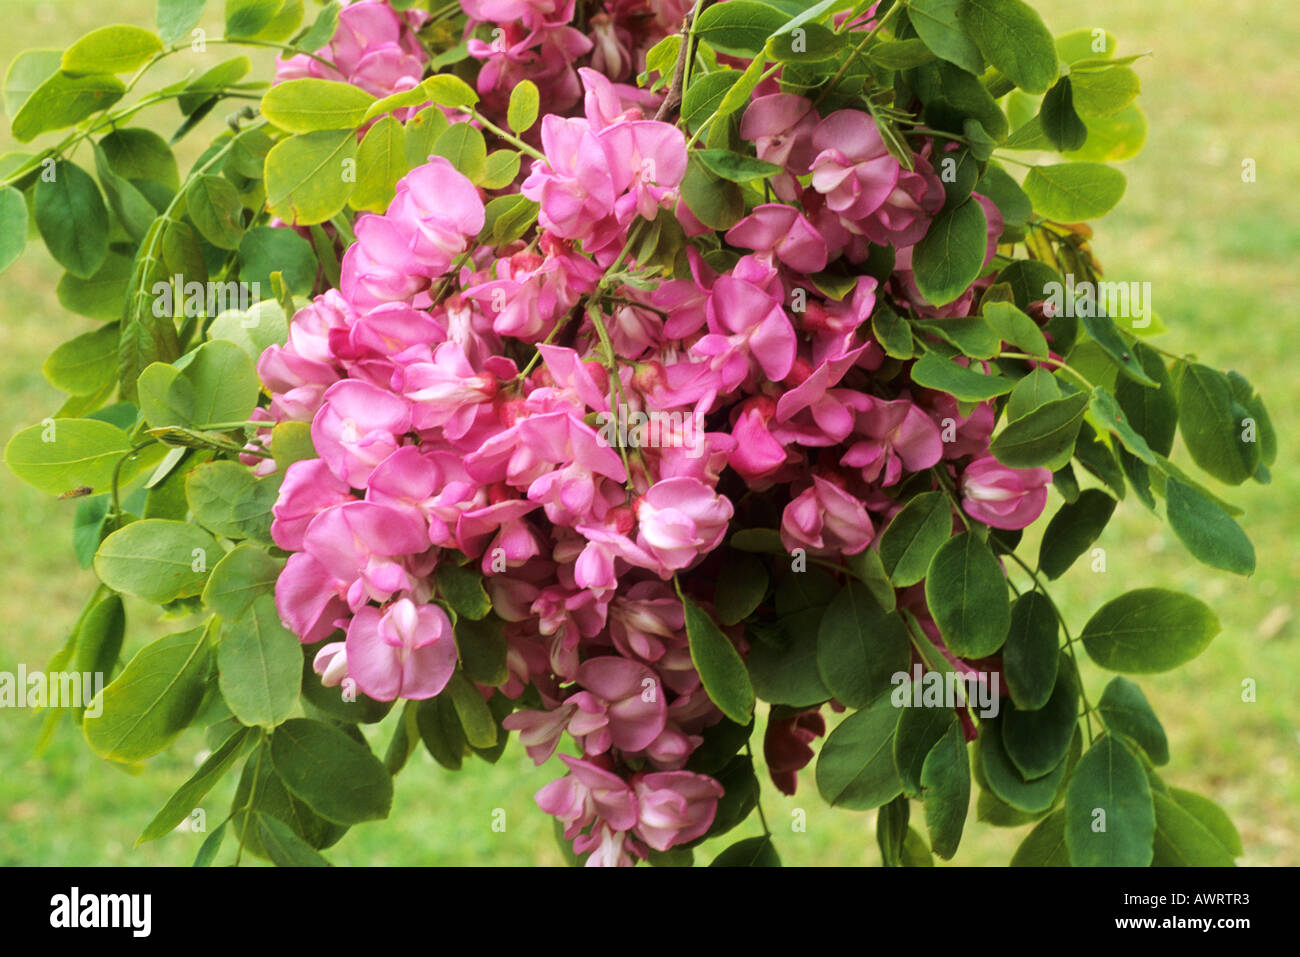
(1221, 256)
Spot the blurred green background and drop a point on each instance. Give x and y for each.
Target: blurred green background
(1221, 255)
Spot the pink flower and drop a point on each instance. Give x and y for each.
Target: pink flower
(825, 519)
(439, 210)
(674, 807)
(587, 793)
(404, 651)
(358, 426)
(308, 488)
(357, 546)
(904, 217)
(680, 519)
(786, 746)
(622, 705)
(575, 185)
(783, 232)
(895, 435)
(853, 168)
(1003, 497)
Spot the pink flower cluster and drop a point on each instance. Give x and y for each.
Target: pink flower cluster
(374, 47)
(456, 394)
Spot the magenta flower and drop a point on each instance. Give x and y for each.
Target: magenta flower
(853, 168)
(404, 651)
(680, 519)
(622, 705)
(894, 435)
(781, 231)
(1003, 497)
(674, 807)
(825, 519)
(358, 426)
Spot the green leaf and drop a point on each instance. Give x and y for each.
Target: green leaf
(154, 698)
(283, 846)
(913, 536)
(1152, 412)
(970, 335)
(267, 249)
(156, 559)
(72, 219)
(1030, 656)
(919, 730)
(1104, 92)
(1106, 411)
(322, 29)
(860, 647)
(1112, 139)
(892, 332)
(734, 167)
(1072, 192)
(1073, 529)
(308, 177)
(247, 18)
(1207, 531)
(722, 672)
(269, 796)
(446, 89)
(704, 95)
(751, 852)
(524, 103)
(62, 101)
(1148, 630)
(381, 162)
(166, 396)
(951, 254)
(476, 720)
(945, 783)
(934, 371)
(464, 147)
(27, 71)
(742, 585)
(1211, 817)
(441, 732)
(462, 587)
(133, 211)
(1059, 121)
(13, 226)
(1044, 437)
(211, 845)
(967, 595)
(216, 210)
(1014, 39)
(1005, 780)
(227, 499)
(139, 154)
(225, 383)
(85, 364)
(176, 18)
(855, 769)
(340, 779)
(99, 636)
(115, 49)
(1109, 816)
(1125, 710)
(936, 23)
(188, 795)
(1103, 331)
(1210, 420)
(1037, 741)
(806, 43)
(500, 169)
(739, 27)
(63, 454)
(1044, 846)
(482, 646)
(714, 201)
(245, 573)
(260, 665)
(291, 442)
(1033, 391)
(1013, 326)
(101, 296)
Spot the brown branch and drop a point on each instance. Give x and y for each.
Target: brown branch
(673, 99)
